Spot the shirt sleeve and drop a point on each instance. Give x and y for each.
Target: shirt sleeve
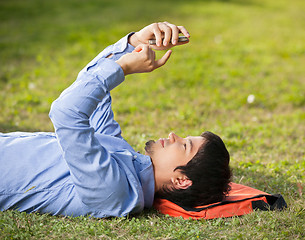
(102, 119)
(97, 176)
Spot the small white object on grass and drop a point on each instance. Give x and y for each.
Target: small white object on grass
(31, 85)
(251, 98)
(218, 39)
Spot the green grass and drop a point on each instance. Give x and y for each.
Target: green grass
(237, 48)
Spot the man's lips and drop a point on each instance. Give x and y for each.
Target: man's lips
(161, 140)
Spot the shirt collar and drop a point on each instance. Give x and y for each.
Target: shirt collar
(145, 172)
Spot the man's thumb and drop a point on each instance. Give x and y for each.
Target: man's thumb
(164, 59)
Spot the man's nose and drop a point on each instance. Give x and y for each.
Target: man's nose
(174, 137)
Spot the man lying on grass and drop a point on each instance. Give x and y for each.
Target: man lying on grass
(87, 168)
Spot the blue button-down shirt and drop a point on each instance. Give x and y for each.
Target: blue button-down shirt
(85, 167)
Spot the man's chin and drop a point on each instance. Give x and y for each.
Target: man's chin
(149, 147)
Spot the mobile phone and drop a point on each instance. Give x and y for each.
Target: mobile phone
(180, 39)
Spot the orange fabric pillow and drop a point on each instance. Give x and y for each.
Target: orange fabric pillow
(241, 200)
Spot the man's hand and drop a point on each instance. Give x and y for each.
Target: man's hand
(141, 60)
(166, 35)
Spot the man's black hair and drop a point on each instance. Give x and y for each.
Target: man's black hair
(210, 174)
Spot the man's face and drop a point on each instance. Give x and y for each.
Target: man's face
(169, 153)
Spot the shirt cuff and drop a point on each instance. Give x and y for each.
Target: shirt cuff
(109, 72)
(122, 47)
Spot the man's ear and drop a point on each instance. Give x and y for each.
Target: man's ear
(181, 182)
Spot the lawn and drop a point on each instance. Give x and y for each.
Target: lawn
(242, 76)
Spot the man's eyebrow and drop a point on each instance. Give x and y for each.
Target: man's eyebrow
(191, 144)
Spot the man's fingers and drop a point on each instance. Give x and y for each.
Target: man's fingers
(163, 60)
(167, 33)
(184, 31)
(143, 48)
(157, 33)
(150, 54)
(138, 48)
(174, 32)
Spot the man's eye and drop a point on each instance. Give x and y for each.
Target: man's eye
(184, 145)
